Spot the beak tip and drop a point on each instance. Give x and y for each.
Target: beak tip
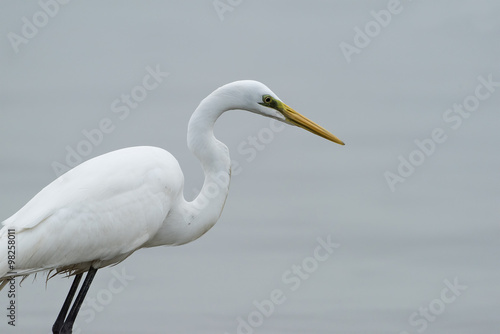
(337, 141)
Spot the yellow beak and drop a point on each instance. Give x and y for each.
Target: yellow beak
(297, 119)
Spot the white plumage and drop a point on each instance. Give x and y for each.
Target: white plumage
(103, 210)
(99, 212)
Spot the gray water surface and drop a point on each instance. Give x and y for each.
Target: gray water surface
(398, 249)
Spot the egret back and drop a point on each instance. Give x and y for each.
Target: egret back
(99, 212)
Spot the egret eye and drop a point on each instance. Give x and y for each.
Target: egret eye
(267, 99)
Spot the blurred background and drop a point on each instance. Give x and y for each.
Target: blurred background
(416, 225)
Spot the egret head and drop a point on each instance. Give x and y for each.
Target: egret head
(261, 100)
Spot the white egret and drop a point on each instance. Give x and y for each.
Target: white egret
(103, 210)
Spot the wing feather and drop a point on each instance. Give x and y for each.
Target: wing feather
(99, 212)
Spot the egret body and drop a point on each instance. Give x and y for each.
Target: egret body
(103, 210)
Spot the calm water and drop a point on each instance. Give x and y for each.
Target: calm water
(420, 259)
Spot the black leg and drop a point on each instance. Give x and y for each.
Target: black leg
(68, 323)
(56, 328)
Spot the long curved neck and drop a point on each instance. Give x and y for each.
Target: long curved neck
(204, 211)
